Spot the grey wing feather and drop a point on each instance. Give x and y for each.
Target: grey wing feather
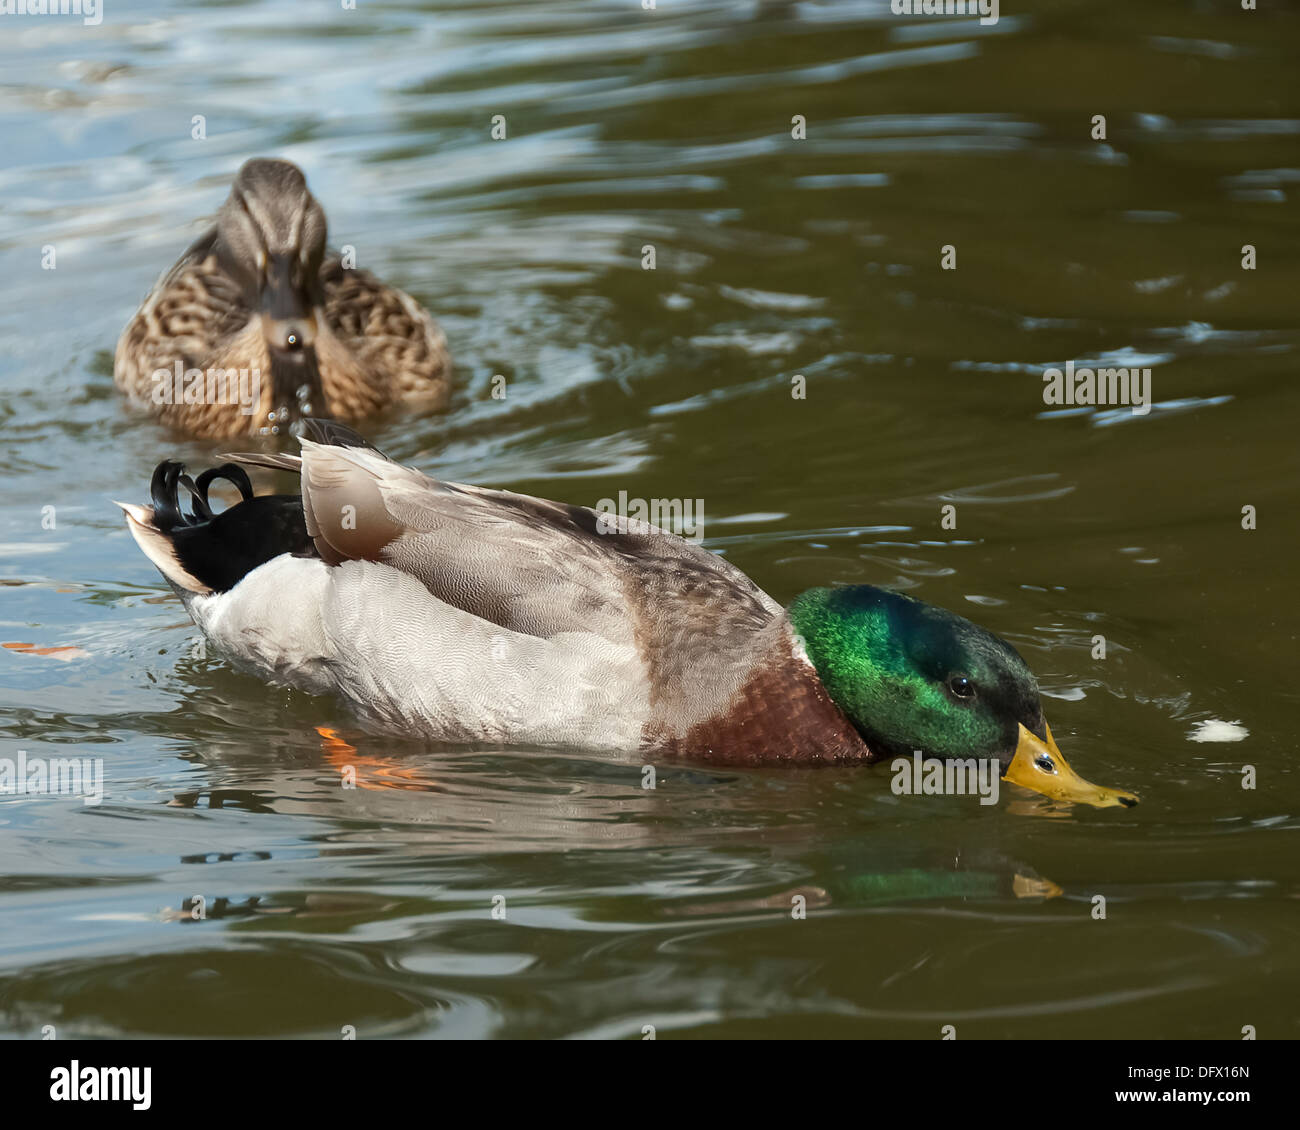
(525, 563)
(272, 460)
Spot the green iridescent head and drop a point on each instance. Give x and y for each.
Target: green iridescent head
(912, 677)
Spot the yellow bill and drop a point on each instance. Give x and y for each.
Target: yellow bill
(1038, 765)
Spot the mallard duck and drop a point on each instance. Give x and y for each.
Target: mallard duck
(464, 614)
(259, 325)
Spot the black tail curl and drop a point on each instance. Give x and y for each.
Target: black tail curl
(170, 475)
(220, 549)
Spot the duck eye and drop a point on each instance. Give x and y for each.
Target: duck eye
(961, 686)
(1045, 763)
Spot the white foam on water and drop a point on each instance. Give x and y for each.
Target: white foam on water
(1216, 730)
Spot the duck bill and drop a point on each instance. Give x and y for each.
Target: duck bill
(1029, 768)
(288, 317)
(281, 298)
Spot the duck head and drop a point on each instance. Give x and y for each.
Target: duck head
(270, 239)
(911, 676)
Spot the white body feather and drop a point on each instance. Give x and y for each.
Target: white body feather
(406, 661)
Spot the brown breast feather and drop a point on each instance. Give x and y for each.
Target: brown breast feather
(781, 714)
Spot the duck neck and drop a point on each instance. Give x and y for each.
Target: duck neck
(849, 654)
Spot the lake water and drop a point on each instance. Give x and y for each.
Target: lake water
(774, 258)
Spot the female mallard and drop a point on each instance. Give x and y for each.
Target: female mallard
(465, 614)
(258, 325)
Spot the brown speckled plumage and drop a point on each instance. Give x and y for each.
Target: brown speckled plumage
(369, 345)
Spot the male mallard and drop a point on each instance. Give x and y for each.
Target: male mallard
(258, 325)
(465, 614)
